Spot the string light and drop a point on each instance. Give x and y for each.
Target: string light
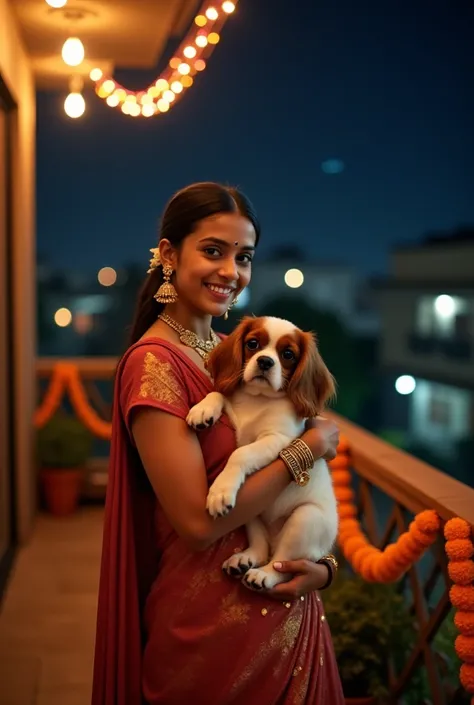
(73, 51)
(57, 4)
(190, 58)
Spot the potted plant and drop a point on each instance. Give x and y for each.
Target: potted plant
(370, 624)
(63, 446)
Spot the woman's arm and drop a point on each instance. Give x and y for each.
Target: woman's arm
(172, 458)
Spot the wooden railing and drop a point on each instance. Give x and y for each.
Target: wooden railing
(391, 487)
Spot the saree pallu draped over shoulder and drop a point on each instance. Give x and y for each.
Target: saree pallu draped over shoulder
(172, 628)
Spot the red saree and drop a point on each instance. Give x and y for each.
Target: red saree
(172, 628)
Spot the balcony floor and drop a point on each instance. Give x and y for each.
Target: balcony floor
(47, 623)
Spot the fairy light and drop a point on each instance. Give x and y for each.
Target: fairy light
(189, 52)
(201, 41)
(169, 87)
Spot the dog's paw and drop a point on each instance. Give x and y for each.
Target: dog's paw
(222, 495)
(203, 415)
(238, 564)
(262, 578)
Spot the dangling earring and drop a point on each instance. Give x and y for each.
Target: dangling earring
(166, 294)
(226, 314)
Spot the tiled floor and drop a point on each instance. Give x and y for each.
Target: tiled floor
(47, 622)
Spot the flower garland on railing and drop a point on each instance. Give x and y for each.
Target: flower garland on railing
(65, 378)
(388, 565)
(373, 564)
(460, 552)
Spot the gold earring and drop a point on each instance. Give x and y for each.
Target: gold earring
(226, 314)
(166, 294)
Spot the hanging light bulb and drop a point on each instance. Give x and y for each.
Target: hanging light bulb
(56, 3)
(73, 51)
(74, 105)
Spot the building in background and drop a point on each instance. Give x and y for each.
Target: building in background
(427, 342)
(331, 287)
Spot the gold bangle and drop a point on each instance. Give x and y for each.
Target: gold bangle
(299, 459)
(332, 565)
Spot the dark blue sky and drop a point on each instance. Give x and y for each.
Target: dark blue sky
(386, 86)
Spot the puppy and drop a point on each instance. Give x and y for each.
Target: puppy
(269, 378)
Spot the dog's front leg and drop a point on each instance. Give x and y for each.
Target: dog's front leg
(207, 412)
(243, 461)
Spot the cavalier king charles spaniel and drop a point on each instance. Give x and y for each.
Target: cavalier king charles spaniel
(269, 378)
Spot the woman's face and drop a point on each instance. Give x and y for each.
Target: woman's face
(214, 263)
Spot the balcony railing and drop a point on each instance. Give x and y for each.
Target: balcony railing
(453, 348)
(389, 489)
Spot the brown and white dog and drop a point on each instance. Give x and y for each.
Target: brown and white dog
(269, 378)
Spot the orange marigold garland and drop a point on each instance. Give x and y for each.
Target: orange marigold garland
(460, 552)
(373, 564)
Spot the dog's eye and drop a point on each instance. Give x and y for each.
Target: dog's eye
(288, 354)
(252, 344)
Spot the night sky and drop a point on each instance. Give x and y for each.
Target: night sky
(384, 86)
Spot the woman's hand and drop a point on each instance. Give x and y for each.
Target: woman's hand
(307, 577)
(322, 436)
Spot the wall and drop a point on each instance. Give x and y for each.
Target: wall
(16, 73)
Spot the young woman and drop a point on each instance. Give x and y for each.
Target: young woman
(172, 628)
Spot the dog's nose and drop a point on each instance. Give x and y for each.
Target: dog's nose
(265, 363)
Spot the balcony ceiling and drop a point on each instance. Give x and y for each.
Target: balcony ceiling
(122, 33)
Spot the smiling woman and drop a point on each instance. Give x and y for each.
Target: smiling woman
(165, 606)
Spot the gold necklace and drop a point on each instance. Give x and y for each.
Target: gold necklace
(190, 339)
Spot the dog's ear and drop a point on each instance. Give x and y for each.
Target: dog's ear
(311, 385)
(225, 363)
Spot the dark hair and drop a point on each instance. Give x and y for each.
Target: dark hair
(182, 213)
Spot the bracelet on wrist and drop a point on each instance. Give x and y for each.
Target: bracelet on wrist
(331, 563)
(299, 460)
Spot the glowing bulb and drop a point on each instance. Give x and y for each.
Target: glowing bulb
(189, 52)
(121, 94)
(107, 276)
(169, 96)
(211, 13)
(184, 69)
(112, 101)
(95, 75)
(175, 62)
(228, 7)
(162, 84)
(200, 20)
(74, 105)
(187, 81)
(148, 110)
(131, 98)
(163, 106)
(63, 317)
(213, 38)
(135, 110)
(201, 41)
(176, 86)
(405, 384)
(73, 51)
(445, 306)
(200, 65)
(108, 86)
(126, 108)
(56, 3)
(294, 278)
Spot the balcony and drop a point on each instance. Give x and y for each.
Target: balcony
(386, 490)
(451, 348)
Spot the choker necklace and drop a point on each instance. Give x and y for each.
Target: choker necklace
(190, 339)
